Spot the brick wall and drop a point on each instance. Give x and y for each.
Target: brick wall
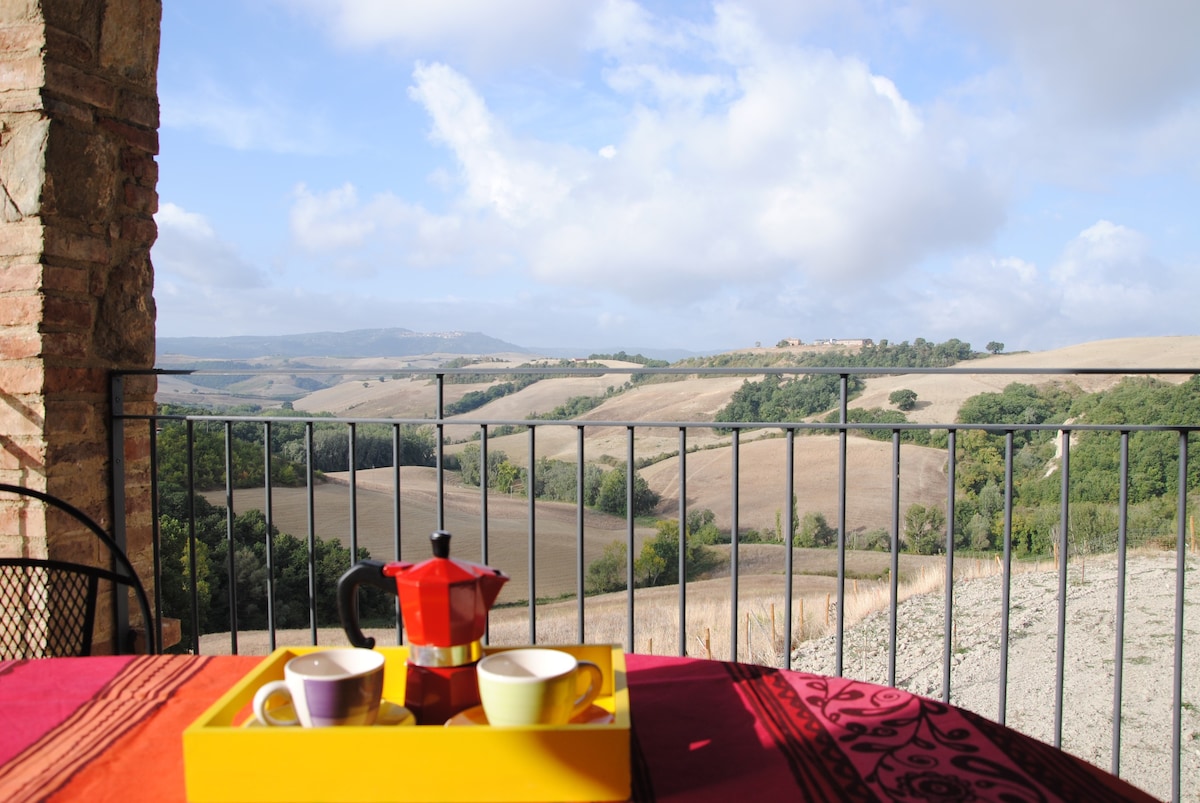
(78, 137)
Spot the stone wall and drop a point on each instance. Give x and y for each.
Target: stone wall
(78, 137)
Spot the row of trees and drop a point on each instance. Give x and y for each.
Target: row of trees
(293, 559)
(556, 481)
(776, 399)
(657, 564)
(473, 400)
(375, 445)
(248, 565)
(1153, 466)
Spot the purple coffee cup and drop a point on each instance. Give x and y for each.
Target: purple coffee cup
(326, 687)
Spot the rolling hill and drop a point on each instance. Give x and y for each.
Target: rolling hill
(762, 455)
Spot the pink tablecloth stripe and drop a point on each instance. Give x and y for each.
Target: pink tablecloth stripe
(35, 696)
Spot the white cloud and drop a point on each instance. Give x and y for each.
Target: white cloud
(1105, 283)
(750, 166)
(519, 182)
(385, 235)
(1107, 277)
(330, 221)
(189, 252)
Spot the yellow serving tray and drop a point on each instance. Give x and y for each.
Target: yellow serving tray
(225, 762)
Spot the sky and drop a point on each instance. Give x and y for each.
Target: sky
(608, 174)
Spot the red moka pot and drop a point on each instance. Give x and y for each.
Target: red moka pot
(444, 604)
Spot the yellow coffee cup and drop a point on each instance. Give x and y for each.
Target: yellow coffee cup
(536, 686)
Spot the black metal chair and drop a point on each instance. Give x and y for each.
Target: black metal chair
(48, 607)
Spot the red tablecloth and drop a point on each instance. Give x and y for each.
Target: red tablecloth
(101, 729)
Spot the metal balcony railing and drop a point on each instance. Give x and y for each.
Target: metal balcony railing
(630, 444)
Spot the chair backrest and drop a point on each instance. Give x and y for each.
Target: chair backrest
(48, 607)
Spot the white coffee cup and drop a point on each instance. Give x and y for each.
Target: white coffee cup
(326, 687)
(536, 686)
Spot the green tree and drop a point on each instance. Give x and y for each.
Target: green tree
(176, 583)
(611, 496)
(658, 562)
(904, 399)
(702, 527)
(815, 531)
(925, 529)
(978, 532)
(290, 558)
(994, 347)
(878, 540)
(980, 460)
(607, 573)
(558, 480)
(468, 464)
(508, 476)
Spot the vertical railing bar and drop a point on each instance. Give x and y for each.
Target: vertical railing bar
(894, 574)
(156, 534)
(1060, 648)
(483, 493)
(440, 451)
(1180, 570)
(579, 567)
(312, 530)
(229, 539)
(948, 630)
(630, 574)
(839, 640)
(735, 446)
(682, 540)
(352, 459)
(116, 447)
(268, 513)
(191, 510)
(1006, 576)
(531, 492)
(789, 485)
(1119, 639)
(484, 482)
(397, 543)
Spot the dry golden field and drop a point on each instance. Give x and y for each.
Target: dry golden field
(761, 459)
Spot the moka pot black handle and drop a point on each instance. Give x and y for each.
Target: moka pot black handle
(365, 572)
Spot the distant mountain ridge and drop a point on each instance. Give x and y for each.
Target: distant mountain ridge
(393, 342)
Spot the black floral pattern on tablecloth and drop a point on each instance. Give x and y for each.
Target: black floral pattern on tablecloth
(885, 743)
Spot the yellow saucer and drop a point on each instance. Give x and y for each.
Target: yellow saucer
(592, 715)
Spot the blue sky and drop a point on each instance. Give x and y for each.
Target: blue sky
(706, 176)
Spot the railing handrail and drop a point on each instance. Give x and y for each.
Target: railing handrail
(465, 420)
(958, 369)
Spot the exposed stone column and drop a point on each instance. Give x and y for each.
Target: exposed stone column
(78, 137)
